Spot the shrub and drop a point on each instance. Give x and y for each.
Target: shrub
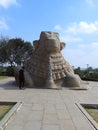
(10, 71)
(2, 72)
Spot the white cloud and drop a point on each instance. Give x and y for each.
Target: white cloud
(7, 3)
(3, 25)
(83, 27)
(74, 31)
(90, 3)
(65, 36)
(82, 55)
(85, 48)
(91, 47)
(70, 38)
(57, 27)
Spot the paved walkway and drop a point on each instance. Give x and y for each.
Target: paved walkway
(47, 109)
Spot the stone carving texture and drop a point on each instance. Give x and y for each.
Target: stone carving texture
(46, 67)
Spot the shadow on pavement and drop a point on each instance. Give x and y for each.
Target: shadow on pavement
(9, 84)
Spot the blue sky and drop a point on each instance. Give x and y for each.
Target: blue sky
(76, 21)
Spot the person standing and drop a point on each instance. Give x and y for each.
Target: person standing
(21, 78)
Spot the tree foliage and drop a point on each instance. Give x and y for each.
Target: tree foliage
(14, 51)
(88, 73)
(3, 53)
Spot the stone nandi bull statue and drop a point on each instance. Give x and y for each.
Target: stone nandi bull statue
(46, 67)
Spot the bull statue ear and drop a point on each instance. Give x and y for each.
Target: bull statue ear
(62, 45)
(36, 44)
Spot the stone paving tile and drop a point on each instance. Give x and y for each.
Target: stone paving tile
(50, 108)
(37, 106)
(60, 106)
(15, 127)
(85, 127)
(47, 109)
(50, 119)
(81, 123)
(63, 114)
(33, 125)
(67, 125)
(50, 127)
(35, 116)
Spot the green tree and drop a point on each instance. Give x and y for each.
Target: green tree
(3, 53)
(79, 72)
(15, 51)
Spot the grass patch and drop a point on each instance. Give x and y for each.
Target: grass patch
(93, 112)
(4, 109)
(3, 77)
